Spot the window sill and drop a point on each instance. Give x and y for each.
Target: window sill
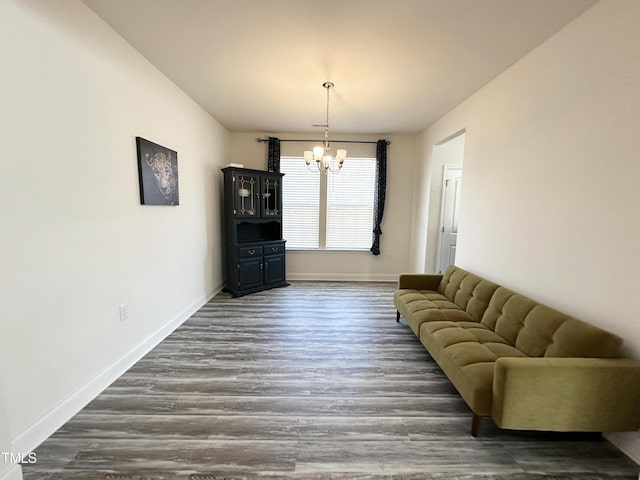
(328, 250)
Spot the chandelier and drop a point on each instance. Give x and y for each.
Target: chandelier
(322, 155)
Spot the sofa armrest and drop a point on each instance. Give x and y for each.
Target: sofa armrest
(567, 394)
(419, 281)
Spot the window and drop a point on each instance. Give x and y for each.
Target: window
(346, 200)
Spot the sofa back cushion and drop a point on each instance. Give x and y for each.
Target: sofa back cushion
(575, 338)
(541, 331)
(468, 291)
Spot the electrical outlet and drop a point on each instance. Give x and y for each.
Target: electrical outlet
(123, 310)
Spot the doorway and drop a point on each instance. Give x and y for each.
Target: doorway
(450, 154)
(451, 186)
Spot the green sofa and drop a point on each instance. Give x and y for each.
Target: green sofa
(526, 365)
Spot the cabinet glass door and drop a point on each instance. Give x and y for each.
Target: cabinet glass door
(271, 196)
(246, 195)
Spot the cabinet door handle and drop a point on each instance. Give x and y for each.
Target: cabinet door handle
(251, 252)
(275, 249)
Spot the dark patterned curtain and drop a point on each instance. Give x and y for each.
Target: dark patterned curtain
(379, 196)
(273, 155)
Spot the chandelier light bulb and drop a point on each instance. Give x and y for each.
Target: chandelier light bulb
(308, 156)
(318, 153)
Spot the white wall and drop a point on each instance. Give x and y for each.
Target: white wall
(550, 198)
(395, 239)
(9, 467)
(75, 240)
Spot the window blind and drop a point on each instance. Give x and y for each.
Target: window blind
(350, 205)
(300, 204)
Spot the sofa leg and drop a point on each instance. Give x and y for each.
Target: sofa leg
(475, 425)
(397, 316)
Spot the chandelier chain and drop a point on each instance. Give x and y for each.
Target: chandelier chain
(328, 86)
(321, 155)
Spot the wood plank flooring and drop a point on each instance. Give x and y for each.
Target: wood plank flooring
(312, 381)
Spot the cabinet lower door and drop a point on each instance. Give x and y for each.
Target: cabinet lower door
(274, 269)
(249, 273)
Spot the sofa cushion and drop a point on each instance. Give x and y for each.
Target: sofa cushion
(469, 342)
(538, 330)
(466, 352)
(419, 306)
(524, 323)
(467, 290)
(506, 313)
(575, 338)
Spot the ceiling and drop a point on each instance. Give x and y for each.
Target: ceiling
(397, 65)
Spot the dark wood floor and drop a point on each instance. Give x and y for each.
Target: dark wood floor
(312, 381)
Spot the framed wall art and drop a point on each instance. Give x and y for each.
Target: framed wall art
(158, 173)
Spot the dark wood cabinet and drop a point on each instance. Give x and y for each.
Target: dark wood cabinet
(256, 256)
(274, 263)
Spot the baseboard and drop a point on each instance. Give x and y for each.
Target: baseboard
(28, 440)
(13, 472)
(628, 443)
(344, 277)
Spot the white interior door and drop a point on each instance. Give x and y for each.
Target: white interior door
(451, 187)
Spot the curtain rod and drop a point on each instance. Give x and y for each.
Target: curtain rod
(330, 141)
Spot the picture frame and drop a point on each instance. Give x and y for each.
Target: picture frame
(157, 173)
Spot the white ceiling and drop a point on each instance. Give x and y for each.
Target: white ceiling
(397, 65)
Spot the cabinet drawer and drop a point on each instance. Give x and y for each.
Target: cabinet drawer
(274, 249)
(249, 252)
